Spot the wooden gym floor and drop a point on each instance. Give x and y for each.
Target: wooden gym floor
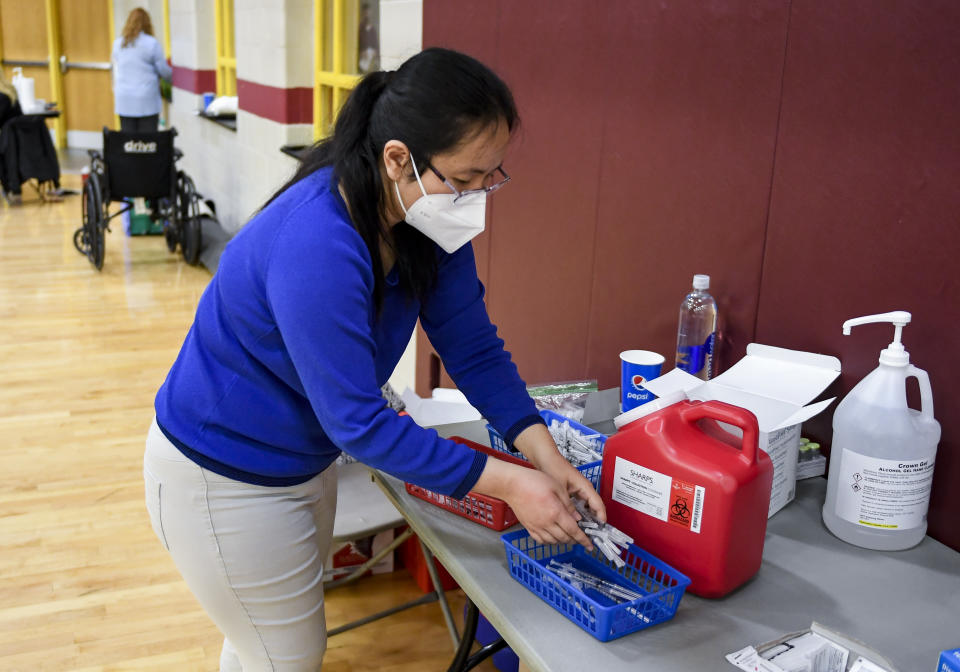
(84, 584)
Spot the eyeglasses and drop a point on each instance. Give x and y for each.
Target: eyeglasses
(469, 192)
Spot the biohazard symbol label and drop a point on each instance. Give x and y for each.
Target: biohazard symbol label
(680, 511)
(681, 503)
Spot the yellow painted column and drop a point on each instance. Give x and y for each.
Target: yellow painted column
(166, 27)
(218, 35)
(113, 36)
(54, 51)
(337, 34)
(317, 64)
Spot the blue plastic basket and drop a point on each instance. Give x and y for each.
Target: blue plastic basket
(661, 584)
(592, 473)
(497, 442)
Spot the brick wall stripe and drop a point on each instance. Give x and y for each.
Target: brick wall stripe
(286, 106)
(194, 81)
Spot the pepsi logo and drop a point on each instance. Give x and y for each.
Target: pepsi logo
(637, 381)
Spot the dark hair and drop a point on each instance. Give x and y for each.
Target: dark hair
(434, 101)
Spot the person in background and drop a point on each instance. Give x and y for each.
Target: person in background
(9, 109)
(9, 106)
(138, 65)
(310, 309)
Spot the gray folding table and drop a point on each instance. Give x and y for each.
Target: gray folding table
(905, 604)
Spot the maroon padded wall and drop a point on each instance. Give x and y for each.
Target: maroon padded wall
(688, 135)
(629, 177)
(866, 201)
(805, 154)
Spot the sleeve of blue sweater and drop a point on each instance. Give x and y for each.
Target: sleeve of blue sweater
(320, 291)
(456, 321)
(160, 62)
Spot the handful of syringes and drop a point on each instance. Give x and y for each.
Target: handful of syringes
(604, 536)
(608, 540)
(577, 448)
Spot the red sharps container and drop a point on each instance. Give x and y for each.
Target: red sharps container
(690, 492)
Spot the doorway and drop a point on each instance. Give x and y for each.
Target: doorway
(73, 72)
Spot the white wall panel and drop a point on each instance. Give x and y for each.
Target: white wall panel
(401, 31)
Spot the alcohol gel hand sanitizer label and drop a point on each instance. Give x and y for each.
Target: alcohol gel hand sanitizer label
(884, 494)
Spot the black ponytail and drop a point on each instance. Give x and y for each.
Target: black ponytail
(431, 103)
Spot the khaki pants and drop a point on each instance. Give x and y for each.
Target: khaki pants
(252, 555)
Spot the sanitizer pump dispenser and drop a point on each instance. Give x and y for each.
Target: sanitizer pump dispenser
(882, 457)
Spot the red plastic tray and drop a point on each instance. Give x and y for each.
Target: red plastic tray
(483, 509)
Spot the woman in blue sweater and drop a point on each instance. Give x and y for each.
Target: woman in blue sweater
(305, 319)
(138, 65)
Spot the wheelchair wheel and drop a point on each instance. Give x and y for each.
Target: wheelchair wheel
(188, 218)
(89, 238)
(170, 234)
(80, 240)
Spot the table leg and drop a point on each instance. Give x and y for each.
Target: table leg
(463, 661)
(466, 638)
(441, 596)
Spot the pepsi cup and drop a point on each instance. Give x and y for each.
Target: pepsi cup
(636, 368)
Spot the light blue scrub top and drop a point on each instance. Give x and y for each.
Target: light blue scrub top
(136, 67)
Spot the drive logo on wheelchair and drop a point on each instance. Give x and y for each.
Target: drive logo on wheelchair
(139, 147)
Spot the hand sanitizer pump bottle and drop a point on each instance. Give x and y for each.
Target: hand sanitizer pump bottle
(881, 461)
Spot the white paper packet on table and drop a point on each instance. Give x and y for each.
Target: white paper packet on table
(818, 649)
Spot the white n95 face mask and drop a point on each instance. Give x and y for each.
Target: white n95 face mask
(450, 225)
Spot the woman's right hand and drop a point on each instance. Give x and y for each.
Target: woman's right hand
(541, 504)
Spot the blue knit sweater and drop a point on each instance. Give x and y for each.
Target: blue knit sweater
(283, 365)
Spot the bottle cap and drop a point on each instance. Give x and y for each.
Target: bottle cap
(894, 357)
(651, 406)
(813, 446)
(701, 281)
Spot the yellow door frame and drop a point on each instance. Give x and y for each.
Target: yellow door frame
(54, 52)
(341, 83)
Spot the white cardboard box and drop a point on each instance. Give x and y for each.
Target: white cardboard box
(444, 407)
(774, 384)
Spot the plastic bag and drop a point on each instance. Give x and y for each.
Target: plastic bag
(568, 398)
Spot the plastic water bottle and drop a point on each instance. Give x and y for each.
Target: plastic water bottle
(698, 330)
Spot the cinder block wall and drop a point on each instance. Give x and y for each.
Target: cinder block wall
(274, 46)
(240, 169)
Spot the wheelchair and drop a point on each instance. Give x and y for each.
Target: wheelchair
(139, 165)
